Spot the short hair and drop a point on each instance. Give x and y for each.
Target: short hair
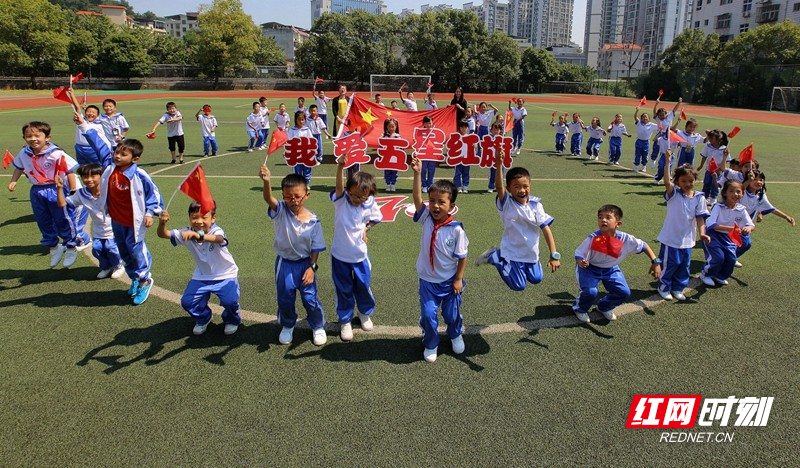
(109, 100)
(734, 162)
(262, 98)
(684, 170)
(463, 123)
(377, 95)
(292, 181)
(43, 127)
(362, 181)
(727, 185)
(691, 121)
(720, 135)
(516, 173)
(498, 126)
(92, 106)
(195, 207)
(133, 145)
(445, 186)
(90, 169)
(394, 101)
(301, 98)
(256, 102)
(427, 119)
(312, 106)
(617, 211)
(170, 103)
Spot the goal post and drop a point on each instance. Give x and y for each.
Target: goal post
(785, 99)
(392, 83)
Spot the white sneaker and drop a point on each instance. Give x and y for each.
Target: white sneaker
(200, 329)
(319, 338)
(706, 280)
(609, 315)
(82, 247)
(458, 344)
(484, 257)
(230, 328)
(430, 354)
(424, 189)
(616, 163)
(118, 272)
(721, 281)
(636, 168)
(582, 316)
(69, 257)
(466, 190)
(678, 295)
(491, 190)
(644, 168)
(55, 255)
(652, 164)
(518, 151)
(738, 264)
(286, 335)
(249, 150)
(104, 273)
(346, 332)
(665, 294)
(366, 322)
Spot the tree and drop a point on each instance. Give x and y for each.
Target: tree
(688, 61)
(125, 56)
(502, 62)
(328, 52)
(268, 52)
(34, 38)
(538, 66)
(86, 38)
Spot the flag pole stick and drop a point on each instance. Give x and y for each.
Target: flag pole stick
(179, 186)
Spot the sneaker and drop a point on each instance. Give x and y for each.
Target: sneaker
(466, 190)
(665, 294)
(134, 287)
(213, 154)
(143, 292)
(721, 281)
(180, 161)
(318, 337)
(262, 147)
(55, 255)
(678, 295)
(484, 257)
(636, 168)
(205, 155)
(230, 328)
(609, 315)
(346, 331)
(709, 201)
(199, 329)
(82, 247)
(458, 344)
(69, 257)
(286, 335)
(706, 280)
(118, 272)
(491, 190)
(644, 168)
(656, 182)
(366, 322)
(249, 150)
(460, 190)
(652, 164)
(424, 189)
(518, 151)
(104, 273)
(738, 264)
(430, 354)
(616, 163)
(582, 316)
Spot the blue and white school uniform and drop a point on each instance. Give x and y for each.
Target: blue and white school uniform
(436, 277)
(390, 175)
(755, 204)
(615, 141)
(104, 247)
(642, 146)
(264, 130)
(322, 107)
(730, 174)
(207, 123)
(214, 272)
(576, 142)
(663, 125)
(561, 135)
(410, 104)
(461, 171)
(41, 170)
(710, 186)
(678, 236)
(113, 127)
(484, 120)
(174, 131)
(350, 265)
(282, 121)
(295, 241)
(471, 124)
(84, 153)
(518, 131)
(301, 169)
(595, 140)
(253, 127)
(662, 160)
(429, 106)
(517, 259)
(721, 251)
(303, 109)
(604, 268)
(317, 126)
(686, 155)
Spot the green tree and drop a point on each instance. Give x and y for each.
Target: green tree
(501, 67)
(576, 73)
(125, 56)
(328, 53)
(268, 52)
(538, 66)
(86, 38)
(689, 61)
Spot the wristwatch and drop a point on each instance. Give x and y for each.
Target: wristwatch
(202, 235)
(555, 256)
(314, 266)
(656, 261)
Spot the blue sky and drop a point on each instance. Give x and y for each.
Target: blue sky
(299, 13)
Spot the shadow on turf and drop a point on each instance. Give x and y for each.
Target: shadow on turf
(20, 220)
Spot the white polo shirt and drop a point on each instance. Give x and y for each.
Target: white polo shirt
(717, 154)
(253, 123)
(617, 130)
(721, 214)
(560, 129)
(519, 113)
(575, 127)
(451, 246)
(630, 245)
(265, 117)
(101, 224)
(96, 126)
(316, 125)
(596, 133)
(754, 206)
(730, 174)
(173, 128)
(294, 239)
(645, 131)
(322, 104)
(115, 123)
(691, 140)
(349, 223)
(213, 262)
(410, 105)
(282, 120)
(521, 225)
(485, 119)
(680, 224)
(207, 123)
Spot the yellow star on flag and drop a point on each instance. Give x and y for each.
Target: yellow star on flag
(388, 113)
(368, 116)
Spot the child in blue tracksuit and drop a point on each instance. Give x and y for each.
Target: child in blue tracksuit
(616, 130)
(597, 260)
(644, 130)
(215, 271)
(440, 264)
(355, 212)
(725, 217)
(596, 134)
(562, 130)
(518, 131)
(42, 162)
(298, 242)
(576, 127)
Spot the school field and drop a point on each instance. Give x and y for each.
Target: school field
(88, 379)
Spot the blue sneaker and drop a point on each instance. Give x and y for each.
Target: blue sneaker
(133, 288)
(143, 292)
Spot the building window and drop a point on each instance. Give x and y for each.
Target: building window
(744, 27)
(768, 13)
(725, 2)
(696, 24)
(796, 7)
(747, 5)
(723, 21)
(705, 23)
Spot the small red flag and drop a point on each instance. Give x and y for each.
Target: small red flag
(279, 138)
(403, 86)
(660, 93)
(735, 236)
(509, 122)
(319, 80)
(76, 78)
(554, 113)
(683, 115)
(8, 158)
(60, 93)
(746, 155)
(608, 245)
(675, 138)
(734, 132)
(196, 187)
(151, 135)
(712, 166)
(643, 102)
(62, 168)
(430, 85)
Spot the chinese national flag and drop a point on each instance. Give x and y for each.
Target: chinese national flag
(279, 138)
(734, 132)
(675, 138)
(196, 187)
(712, 166)
(735, 235)
(643, 102)
(76, 78)
(60, 93)
(683, 115)
(608, 245)
(660, 93)
(319, 80)
(62, 168)
(509, 121)
(8, 158)
(746, 155)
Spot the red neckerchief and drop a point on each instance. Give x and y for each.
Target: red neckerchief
(436, 227)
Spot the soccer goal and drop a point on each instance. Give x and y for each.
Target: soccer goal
(785, 99)
(391, 83)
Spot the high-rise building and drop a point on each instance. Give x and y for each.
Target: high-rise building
(729, 18)
(493, 14)
(543, 23)
(605, 24)
(318, 7)
(435, 8)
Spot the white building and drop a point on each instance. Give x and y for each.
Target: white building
(605, 21)
(543, 23)
(729, 18)
(493, 14)
(288, 38)
(436, 8)
(179, 25)
(618, 61)
(318, 7)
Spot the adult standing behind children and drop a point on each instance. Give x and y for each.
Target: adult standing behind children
(339, 109)
(461, 104)
(174, 120)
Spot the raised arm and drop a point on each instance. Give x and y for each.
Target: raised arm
(416, 166)
(340, 176)
(636, 115)
(677, 106)
(668, 186)
(267, 190)
(162, 230)
(498, 175)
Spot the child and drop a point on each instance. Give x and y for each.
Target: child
(469, 116)
(317, 127)
(208, 125)
(355, 212)
(264, 122)
(301, 106)
(577, 128)
(733, 172)
(428, 167)
(104, 248)
(300, 130)
(598, 258)
(497, 129)
(322, 103)
(174, 121)
(685, 220)
(42, 162)
(596, 134)
(298, 242)
(562, 130)
(84, 153)
(282, 118)
(721, 251)
(391, 129)
(518, 131)
(485, 117)
(440, 264)
(214, 272)
(378, 100)
(663, 121)
(253, 127)
(616, 130)
(686, 156)
(757, 205)
(409, 101)
(430, 102)
(461, 172)
(114, 124)
(394, 105)
(644, 130)
(523, 217)
(717, 150)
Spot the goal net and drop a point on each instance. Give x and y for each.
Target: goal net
(785, 99)
(392, 83)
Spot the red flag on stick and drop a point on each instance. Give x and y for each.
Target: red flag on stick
(735, 235)
(509, 122)
(660, 93)
(734, 132)
(683, 115)
(608, 245)
(675, 138)
(643, 102)
(196, 187)
(62, 168)
(319, 80)
(430, 85)
(60, 93)
(712, 166)
(554, 113)
(403, 86)
(746, 155)
(279, 138)
(8, 158)
(76, 78)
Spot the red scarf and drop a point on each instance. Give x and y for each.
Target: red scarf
(436, 227)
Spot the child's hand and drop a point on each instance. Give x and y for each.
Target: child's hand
(582, 263)
(789, 220)
(59, 182)
(668, 155)
(655, 270)
(189, 235)
(746, 230)
(364, 235)
(77, 118)
(164, 217)
(759, 217)
(680, 100)
(12, 185)
(264, 173)
(705, 238)
(148, 221)
(416, 164)
(458, 286)
(554, 265)
(308, 276)
(501, 154)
